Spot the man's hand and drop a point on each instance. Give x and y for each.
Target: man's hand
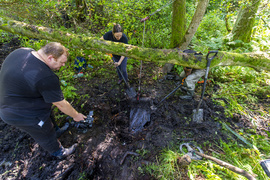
(79, 117)
(66, 108)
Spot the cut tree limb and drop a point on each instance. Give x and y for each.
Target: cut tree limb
(227, 165)
(256, 60)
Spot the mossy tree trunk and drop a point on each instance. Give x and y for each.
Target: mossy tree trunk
(178, 28)
(242, 29)
(257, 60)
(180, 36)
(178, 22)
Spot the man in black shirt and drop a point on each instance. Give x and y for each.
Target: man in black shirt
(29, 87)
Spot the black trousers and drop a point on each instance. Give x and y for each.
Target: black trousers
(43, 133)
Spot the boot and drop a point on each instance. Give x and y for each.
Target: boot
(184, 89)
(189, 95)
(64, 152)
(60, 131)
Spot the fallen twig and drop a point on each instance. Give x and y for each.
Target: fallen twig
(64, 174)
(127, 153)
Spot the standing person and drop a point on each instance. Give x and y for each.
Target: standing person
(117, 35)
(28, 89)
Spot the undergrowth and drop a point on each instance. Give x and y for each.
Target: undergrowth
(240, 89)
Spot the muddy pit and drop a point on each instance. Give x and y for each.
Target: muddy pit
(109, 150)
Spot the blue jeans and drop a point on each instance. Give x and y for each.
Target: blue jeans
(122, 67)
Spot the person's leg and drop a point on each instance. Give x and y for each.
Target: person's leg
(123, 68)
(194, 77)
(44, 134)
(191, 81)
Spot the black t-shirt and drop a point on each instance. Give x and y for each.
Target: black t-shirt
(28, 87)
(109, 37)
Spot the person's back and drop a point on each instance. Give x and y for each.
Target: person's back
(22, 80)
(28, 89)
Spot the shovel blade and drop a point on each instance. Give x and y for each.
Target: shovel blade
(131, 93)
(198, 115)
(138, 118)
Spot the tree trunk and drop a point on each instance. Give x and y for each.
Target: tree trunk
(257, 60)
(195, 22)
(227, 24)
(178, 28)
(180, 37)
(178, 22)
(244, 24)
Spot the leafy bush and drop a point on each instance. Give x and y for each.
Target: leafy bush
(210, 33)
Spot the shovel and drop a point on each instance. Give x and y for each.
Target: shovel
(131, 93)
(153, 107)
(198, 113)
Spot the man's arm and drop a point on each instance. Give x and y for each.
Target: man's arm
(66, 108)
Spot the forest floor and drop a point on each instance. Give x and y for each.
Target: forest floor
(109, 150)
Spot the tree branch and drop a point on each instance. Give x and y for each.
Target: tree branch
(256, 60)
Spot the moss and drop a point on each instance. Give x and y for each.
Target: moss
(255, 60)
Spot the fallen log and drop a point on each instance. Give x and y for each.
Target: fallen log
(256, 60)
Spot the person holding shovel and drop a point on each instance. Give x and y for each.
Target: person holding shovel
(117, 35)
(192, 77)
(28, 89)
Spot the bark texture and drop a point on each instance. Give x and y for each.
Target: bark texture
(185, 37)
(256, 60)
(195, 22)
(178, 22)
(244, 24)
(178, 28)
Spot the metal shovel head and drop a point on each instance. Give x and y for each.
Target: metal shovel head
(138, 118)
(198, 115)
(140, 114)
(131, 93)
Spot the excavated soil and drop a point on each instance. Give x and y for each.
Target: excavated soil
(108, 149)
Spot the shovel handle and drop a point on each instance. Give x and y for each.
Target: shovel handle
(169, 94)
(209, 59)
(212, 57)
(121, 74)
